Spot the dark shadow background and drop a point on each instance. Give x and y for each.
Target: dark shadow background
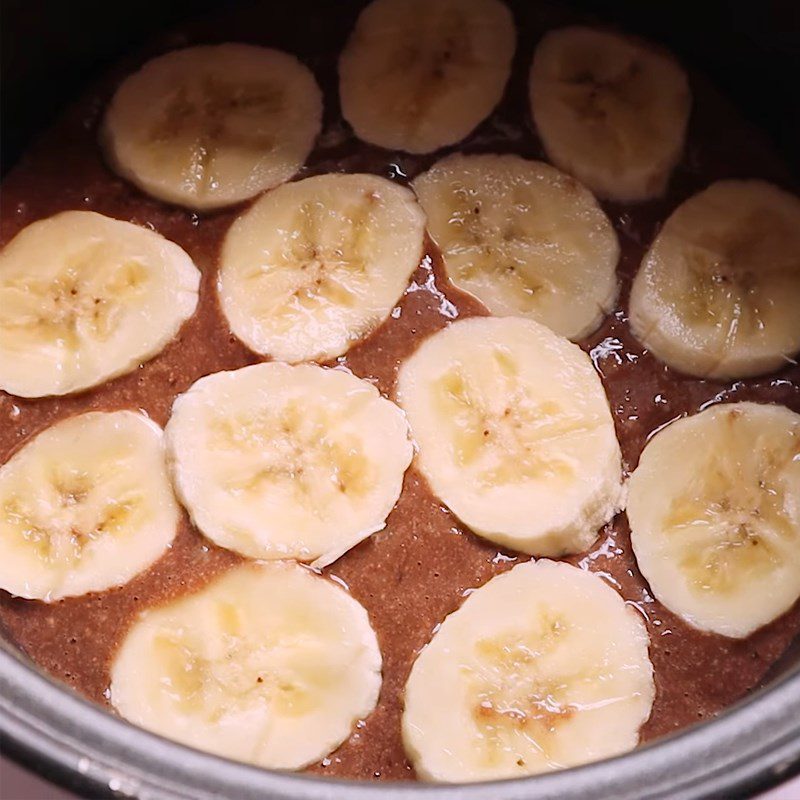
(50, 48)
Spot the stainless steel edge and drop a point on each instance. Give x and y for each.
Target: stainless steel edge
(752, 746)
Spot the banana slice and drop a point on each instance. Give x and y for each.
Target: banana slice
(84, 298)
(543, 667)
(514, 433)
(718, 293)
(315, 265)
(417, 75)
(524, 238)
(84, 506)
(268, 664)
(714, 509)
(275, 461)
(209, 126)
(610, 110)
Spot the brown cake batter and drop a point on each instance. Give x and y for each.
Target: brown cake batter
(419, 568)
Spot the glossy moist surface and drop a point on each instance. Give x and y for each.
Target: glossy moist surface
(417, 570)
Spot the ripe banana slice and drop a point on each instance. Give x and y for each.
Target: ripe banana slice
(84, 506)
(209, 126)
(718, 293)
(610, 110)
(275, 461)
(514, 433)
(417, 75)
(524, 238)
(543, 667)
(84, 298)
(315, 265)
(714, 509)
(268, 664)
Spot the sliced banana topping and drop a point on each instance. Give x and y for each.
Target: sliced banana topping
(268, 664)
(84, 298)
(611, 110)
(317, 264)
(718, 293)
(84, 506)
(275, 461)
(209, 126)
(417, 75)
(543, 667)
(514, 433)
(714, 509)
(524, 238)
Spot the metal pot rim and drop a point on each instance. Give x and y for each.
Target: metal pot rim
(749, 747)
